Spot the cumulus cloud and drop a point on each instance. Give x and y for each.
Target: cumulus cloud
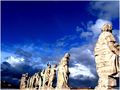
(13, 65)
(13, 60)
(17, 63)
(83, 32)
(82, 66)
(21, 57)
(31, 55)
(80, 69)
(96, 28)
(93, 29)
(4, 55)
(108, 10)
(83, 63)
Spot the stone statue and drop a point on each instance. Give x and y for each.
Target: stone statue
(106, 57)
(28, 82)
(63, 72)
(23, 83)
(36, 80)
(46, 76)
(41, 78)
(32, 82)
(52, 76)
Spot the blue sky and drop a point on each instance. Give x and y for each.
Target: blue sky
(37, 33)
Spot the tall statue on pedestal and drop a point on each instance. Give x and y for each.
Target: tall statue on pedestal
(106, 57)
(63, 72)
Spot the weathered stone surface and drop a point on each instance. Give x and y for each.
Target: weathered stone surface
(63, 72)
(36, 79)
(23, 83)
(106, 57)
(31, 82)
(52, 76)
(46, 76)
(41, 79)
(28, 82)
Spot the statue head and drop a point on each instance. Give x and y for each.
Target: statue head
(26, 74)
(67, 55)
(48, 65)
(55, 65)
(43, 71)
(23, 75)
(107, 28)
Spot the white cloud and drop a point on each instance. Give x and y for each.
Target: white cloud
(85, 34)
(82, 59)
(35, 56)
(5, 55)
(82, 54)
(96, 28)
(91, 29)
(81, 50)
(105, 9)
(80, 69)
(14, 61)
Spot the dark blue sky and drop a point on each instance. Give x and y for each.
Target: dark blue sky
(45, 21)
(37, 33)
